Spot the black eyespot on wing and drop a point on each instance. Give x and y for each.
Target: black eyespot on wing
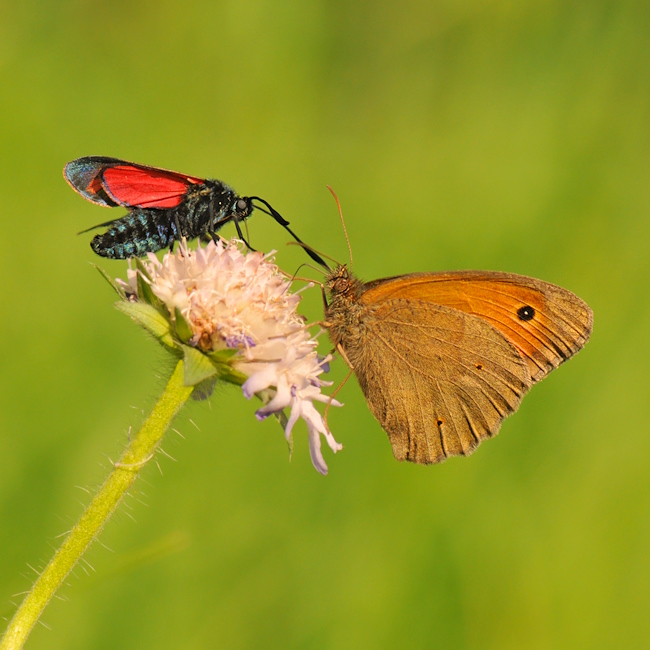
(526, 312)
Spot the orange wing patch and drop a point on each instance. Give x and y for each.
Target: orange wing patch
(546, 323)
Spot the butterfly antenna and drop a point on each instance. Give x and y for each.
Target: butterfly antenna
(309, 282)
(285, 224)
(345, 230)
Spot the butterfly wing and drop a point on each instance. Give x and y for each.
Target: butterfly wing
(547, 324)
(111, 182)
(438, 381)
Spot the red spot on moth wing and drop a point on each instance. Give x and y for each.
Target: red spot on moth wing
(146, 187)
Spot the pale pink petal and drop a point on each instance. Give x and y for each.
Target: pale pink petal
(296, 412)
(261, 380)
(314, 451)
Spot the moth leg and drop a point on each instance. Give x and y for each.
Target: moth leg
(211, 229)
(177, 223)
(99, 225)
(241, 234)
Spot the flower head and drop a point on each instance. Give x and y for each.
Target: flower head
(239, 311)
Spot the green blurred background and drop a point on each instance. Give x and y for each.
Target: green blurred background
(498, 135)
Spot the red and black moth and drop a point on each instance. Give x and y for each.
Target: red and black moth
(163, 206)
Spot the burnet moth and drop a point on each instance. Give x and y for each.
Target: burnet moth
(163, 206)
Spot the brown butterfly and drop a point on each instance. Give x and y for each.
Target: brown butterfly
(443, 358)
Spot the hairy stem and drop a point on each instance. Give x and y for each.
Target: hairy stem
(137, 454)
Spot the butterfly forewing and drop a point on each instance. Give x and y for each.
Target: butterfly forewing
(438, 381)
(546, 323)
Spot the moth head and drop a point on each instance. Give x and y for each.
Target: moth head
(243, 207)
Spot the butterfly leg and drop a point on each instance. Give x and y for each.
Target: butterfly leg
(325, 305)
(339, 347)
(333, 395)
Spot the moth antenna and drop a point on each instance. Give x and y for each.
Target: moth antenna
(99, 225)
(309, 249)
(345, 230)
(285, 224)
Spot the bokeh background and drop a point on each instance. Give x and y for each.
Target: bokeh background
(498, 135)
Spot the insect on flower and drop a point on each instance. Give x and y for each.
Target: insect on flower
(239, 314)
(163, 206)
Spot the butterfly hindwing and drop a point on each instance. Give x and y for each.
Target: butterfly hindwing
(437, 380)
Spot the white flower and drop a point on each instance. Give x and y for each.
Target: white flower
(233, 300)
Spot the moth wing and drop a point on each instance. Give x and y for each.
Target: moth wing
(546, 323)
(145, 187)
(84, 177)
(438, 381)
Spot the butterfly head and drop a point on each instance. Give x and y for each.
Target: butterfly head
(341, 283)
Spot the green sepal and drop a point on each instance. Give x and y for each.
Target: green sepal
(265, 396)
(183, 329)
(146, 294)
(222, 360)
(141, 268)
(118, 289)
(282, 419)
(229, 374)
(149, 318)
(204, 389)
(198, 367)
(223, 356)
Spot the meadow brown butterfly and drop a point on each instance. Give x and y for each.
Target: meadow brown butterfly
(443, 358)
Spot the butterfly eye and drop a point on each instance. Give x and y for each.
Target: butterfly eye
(242, 206)
(526, 312)
(340, 285)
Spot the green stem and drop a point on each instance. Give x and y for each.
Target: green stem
(135, 457)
